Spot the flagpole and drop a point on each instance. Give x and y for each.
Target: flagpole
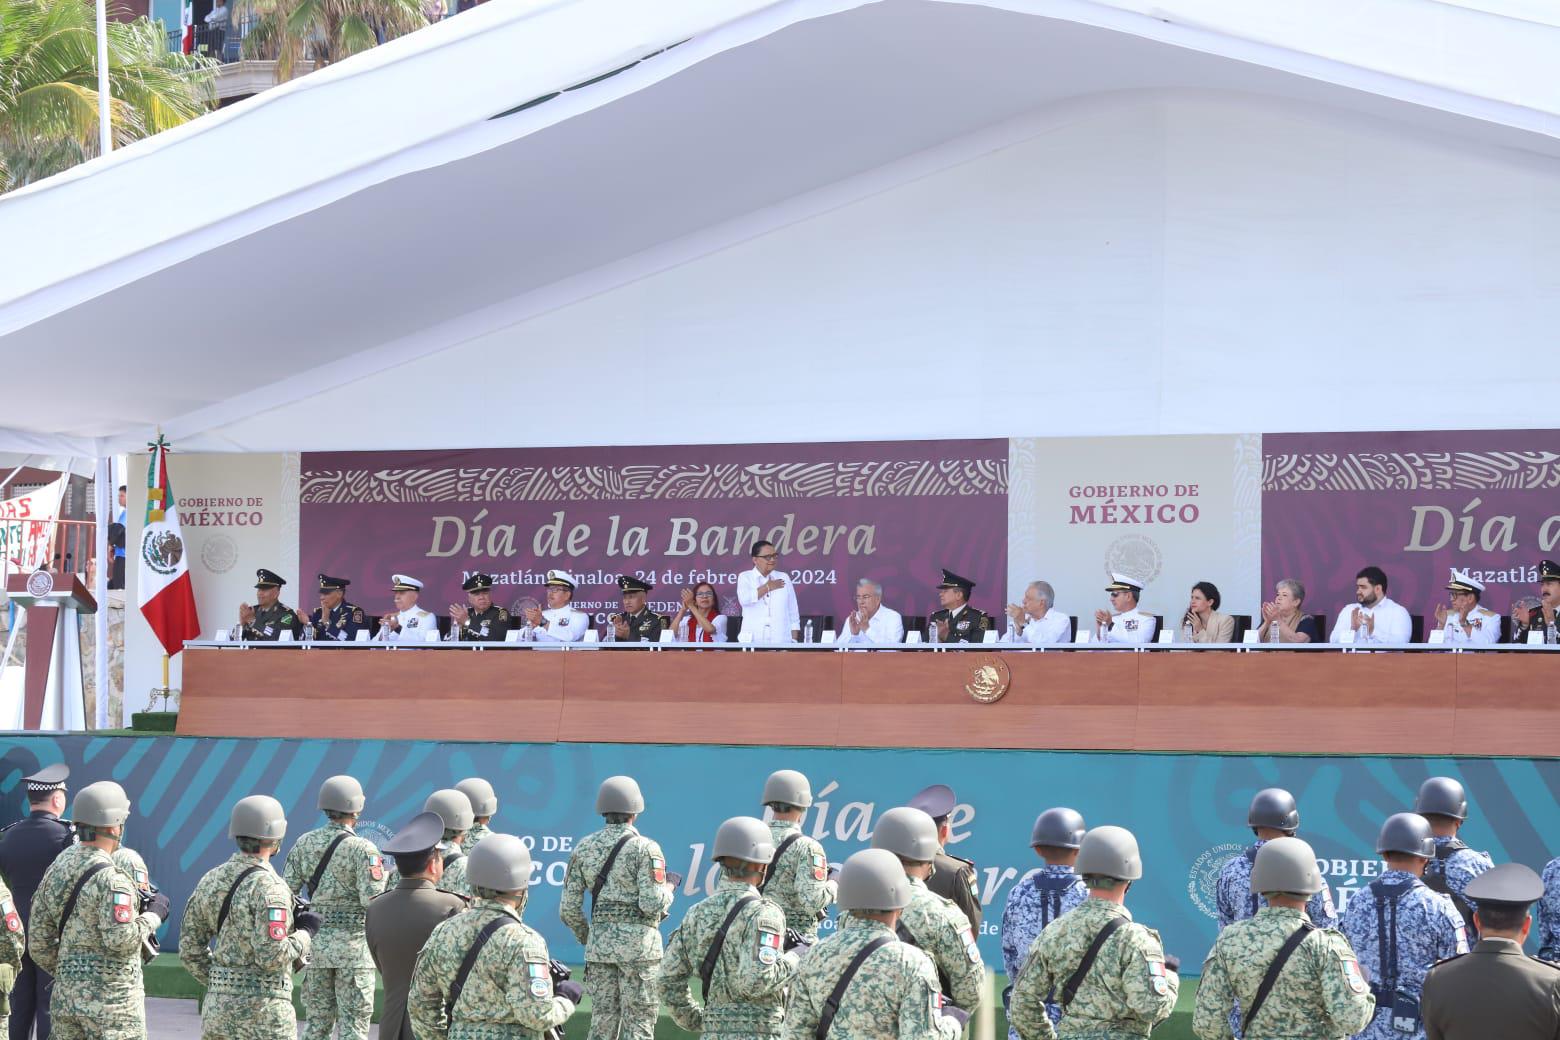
(103, 485)
(105, 98)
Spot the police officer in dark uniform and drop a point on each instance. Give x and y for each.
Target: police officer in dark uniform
(27, 847)
(1494, 990)
(957, 621)
(269, 617)
(637, 623)
(335, 618)
(479, 621)
(1547, 614)
(952, 878)
(401, 919)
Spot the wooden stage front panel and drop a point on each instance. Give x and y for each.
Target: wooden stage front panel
(1338, 703)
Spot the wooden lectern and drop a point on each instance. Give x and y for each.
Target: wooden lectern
(52, 697)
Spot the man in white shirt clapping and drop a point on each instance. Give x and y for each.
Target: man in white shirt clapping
(1037, 622)
(560, 622)
(1375, 620)
(871, 623)
(769, 611)
(408, 623)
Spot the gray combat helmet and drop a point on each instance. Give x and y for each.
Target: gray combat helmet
(1286, 865)
(1442, 796)
(787, 787)
(1274, 807)
(1059, 828)
(1406, 832)
(103, 804)
(744, 838)
(620, 794)
(873, 880)
(907, 833)
(453, 807)
(501, 862)
(1109, 852)
(258, 816)
(342, 794)
(484, 802)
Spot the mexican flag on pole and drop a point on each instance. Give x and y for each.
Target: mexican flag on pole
(167, 598)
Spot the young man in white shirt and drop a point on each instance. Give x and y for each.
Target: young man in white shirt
(1467, 623)
(769, 611)
(408, 623)
(1375, 620)
(1037, 622)
(871, 623)
(560, 622)
(1124, 622)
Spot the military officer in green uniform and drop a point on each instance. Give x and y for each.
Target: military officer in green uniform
(798, 879)
(1316, 992)
(736, 943)
(957, 621)
(269, 617)
(1126, 988)
(342, 873)
(335, 618)
(479, 621)
(953, 878)
(637, 623)
(484, 805)
(1494, 990)
(1543, 619)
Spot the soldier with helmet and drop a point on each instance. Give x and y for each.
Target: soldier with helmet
(1272, 814)
(484, 972)
(1443, 802)
(27, 847)
(860, 982)
(625, 872)
(1399, 928)
(340, 873)
(1293, 979)
(246, 957)
(930, 921)
(1109, 974)
(1042, 895)
(954, 877)
(484, 806)
(89, 923)
(454, 808)
(737, 944)
(798, 879)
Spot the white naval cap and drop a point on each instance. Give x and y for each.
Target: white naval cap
(1462, 581)
(563, 578)
(404, 583)
(1123, 583)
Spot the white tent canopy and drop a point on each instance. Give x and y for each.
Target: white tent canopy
(406, 244)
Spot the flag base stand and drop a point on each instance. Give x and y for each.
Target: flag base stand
(166, 692)
(154, 721)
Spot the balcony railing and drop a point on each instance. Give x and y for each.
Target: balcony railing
(223, 43)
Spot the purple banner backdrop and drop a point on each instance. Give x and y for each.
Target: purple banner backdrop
(893, 511)
(1414, 504)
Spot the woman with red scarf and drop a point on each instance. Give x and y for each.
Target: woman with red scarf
(699, 620)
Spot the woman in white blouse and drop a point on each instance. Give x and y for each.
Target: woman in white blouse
(699, 619)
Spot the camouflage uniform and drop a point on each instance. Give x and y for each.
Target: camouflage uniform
(1548, 924)
(96, 961)
(798, 880)
(1039, 898)
(1459, 867)
(454, 877)
(339, 981)
(133, 867)
(939, 928)
(248, 976)
(1319, 994)
(13, 942)
(477, 832)
(507, 996)
(1237, 902)
(893, 995)
(622, 937)
(1126, 993)
(1428, 929)
(746, 998)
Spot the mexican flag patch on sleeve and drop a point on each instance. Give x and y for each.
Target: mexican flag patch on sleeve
(276, 922)
(123, 914)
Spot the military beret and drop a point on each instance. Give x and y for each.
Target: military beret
(629, 583)
(935, 801)
(265, 579)
(478, 583)
(421, 833)
(49, 778)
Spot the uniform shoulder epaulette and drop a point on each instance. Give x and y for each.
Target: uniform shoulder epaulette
(8, 826)
(1546, 963)
(967, 862)
(1448, 960)
(502, 614)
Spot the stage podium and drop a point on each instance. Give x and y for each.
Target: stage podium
(52, 695)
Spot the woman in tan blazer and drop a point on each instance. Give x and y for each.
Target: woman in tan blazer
(1202, 622)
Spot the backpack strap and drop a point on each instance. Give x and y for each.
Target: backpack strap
(831, 1006)
(70, 904)
(606, 868)
(712, 955)
(1385, 895)
(227, 903)
(1253, 901)
(470, 961)
(319, 869)
(790, 839)
(1291, 944)
(1070, 989)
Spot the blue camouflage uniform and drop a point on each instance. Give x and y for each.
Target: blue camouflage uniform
(1237, 902)
(1037, 899)
(1460, 866)
(1549, 913)
(1398, 940)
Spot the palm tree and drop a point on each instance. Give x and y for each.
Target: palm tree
(48, 86)
(325, 31)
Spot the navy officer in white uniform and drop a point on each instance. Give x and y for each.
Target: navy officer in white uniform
(1124, 622)
(408, 623)
(1468, 623)
(560, 622)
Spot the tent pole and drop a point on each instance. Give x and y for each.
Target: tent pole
(103, 481)
(12, 475)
